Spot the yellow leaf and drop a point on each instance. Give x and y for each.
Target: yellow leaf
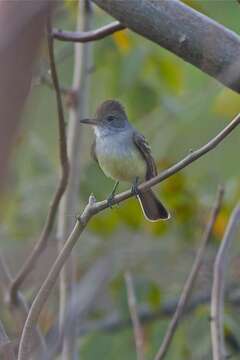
(220, 224)
(227, 103)
(121, 39)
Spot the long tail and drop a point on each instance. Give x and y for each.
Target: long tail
(152, 208)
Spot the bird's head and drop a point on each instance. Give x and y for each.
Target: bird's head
(110, 114)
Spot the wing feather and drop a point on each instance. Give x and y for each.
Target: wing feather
(146, 153)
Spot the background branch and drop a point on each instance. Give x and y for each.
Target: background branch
(186, 292)
(132, 305)
(92, 209)
(69, 206)
(217, 299)
(86, 36)
(6, 348)
(40, 244)
(187, 33)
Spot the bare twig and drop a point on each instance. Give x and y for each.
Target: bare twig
(39, 246)
(86, 36)
(6, 348)
(132, 304)
(190, 280)
(217, 299)
(92, 209)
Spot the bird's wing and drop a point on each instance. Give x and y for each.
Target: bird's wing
(93, 151)
(146, 153)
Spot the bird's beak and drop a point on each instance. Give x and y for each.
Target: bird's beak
(88, 121)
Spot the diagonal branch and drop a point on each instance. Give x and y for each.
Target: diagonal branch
(186, 292)
(217, 298)
(92, 209)
(40, 244)
(86, 36)
(185, 32)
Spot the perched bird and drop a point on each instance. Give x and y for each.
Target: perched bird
(124, 155)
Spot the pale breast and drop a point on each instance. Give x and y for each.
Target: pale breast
(119, 158)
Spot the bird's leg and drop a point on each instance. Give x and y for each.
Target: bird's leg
(111, 196)
(134, 189)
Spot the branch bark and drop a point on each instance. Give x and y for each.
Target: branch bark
(185, 32)
(217, 298)
(190, 280)
(86, 36)
(91, 210)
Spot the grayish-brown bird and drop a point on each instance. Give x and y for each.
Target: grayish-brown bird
(124, 155)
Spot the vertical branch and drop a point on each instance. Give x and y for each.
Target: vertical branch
(52, 211)
(70, 202)
(217, 298)
(190, 280)
(132, 304)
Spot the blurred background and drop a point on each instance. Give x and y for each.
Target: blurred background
(178, 108)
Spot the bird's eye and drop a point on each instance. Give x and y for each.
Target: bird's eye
(110, 118)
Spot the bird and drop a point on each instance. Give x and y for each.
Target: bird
(123, 154)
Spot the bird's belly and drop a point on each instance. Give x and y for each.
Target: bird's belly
(124, 164)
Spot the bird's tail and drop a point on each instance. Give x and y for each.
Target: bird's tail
(152, 208)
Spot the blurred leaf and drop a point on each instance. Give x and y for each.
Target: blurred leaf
(195, 4)
(227, 103)
(154, 296)
(168, 69)
(122, 40)
(71, 6)
(220, 224)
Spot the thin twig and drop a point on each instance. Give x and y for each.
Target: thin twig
(40, 244)
(6, 347)
(217, 299)
(86, 36)
(92, 209)
(132, 304)
(190, 280)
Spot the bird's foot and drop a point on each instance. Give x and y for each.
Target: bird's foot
(134, 188)
(110, 199)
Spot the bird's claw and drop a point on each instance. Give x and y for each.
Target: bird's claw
(110, 201)
(134, 188)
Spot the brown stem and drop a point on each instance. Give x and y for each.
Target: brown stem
(132, 305)
(40, 244)
(218, 287)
